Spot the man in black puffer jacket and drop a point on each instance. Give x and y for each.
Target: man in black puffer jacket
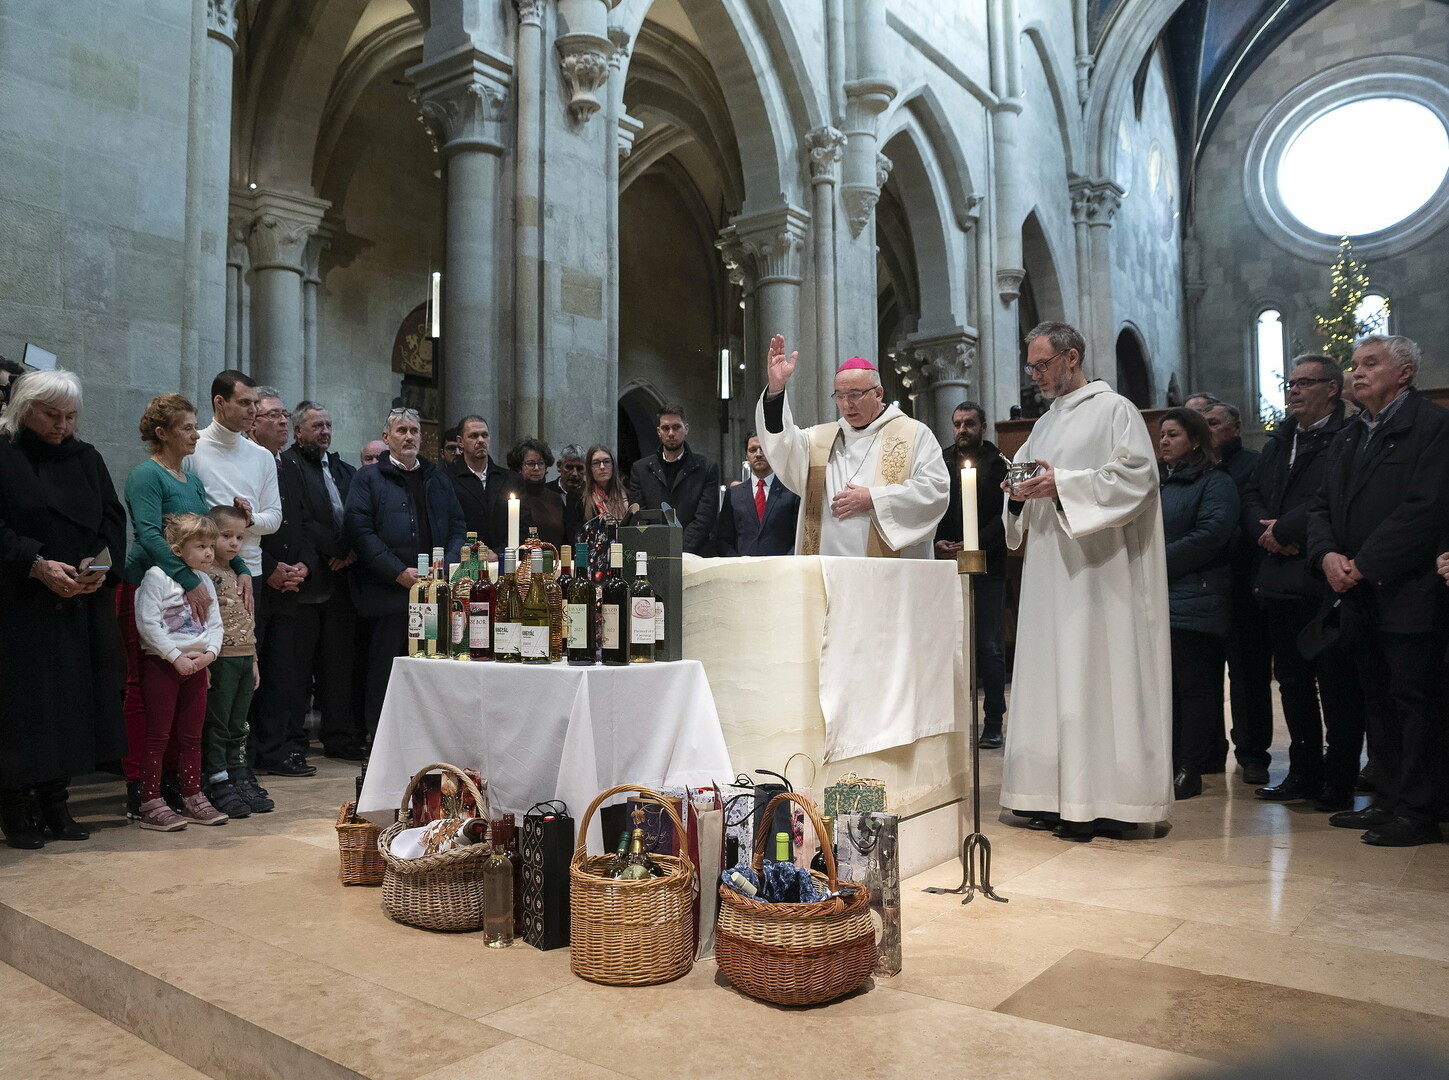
(1275, 515)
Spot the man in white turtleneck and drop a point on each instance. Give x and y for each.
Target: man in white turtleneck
(234, 469)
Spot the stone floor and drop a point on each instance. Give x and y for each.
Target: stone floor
(234, 952)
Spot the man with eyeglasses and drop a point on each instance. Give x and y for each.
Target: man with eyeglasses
(1287, 476)
(872, 483)
(681, 477)
(1089, 730)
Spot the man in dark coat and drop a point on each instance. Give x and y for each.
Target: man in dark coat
(1275, 515)
(968, 422)
(326, 616)
(759, 516)
(483, 486)
(289, 558)
(395, 510)
(685, 480)
(1374, 531)
(1248, 647)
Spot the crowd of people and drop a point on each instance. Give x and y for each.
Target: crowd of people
(266, 574)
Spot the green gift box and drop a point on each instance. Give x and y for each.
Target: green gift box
(664, 544)
(853, 794)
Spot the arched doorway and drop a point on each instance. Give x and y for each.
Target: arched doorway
(638, 418)
(1134, 373)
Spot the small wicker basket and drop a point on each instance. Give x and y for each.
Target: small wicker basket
(795, 954)
(357, 840)
(631, 933)
(436, 892)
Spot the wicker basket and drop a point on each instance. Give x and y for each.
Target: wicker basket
(436, 892)
(357, 839)
(795, 954)
(631, 933)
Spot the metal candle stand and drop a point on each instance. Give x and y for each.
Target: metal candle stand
(976, 848)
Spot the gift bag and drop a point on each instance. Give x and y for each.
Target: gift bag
(885, 891)
(659, 835)
(802, 833)
(706, 843)
(739, 818)
(442, 795)
(548, 845)
(853, 794)
(855, 840)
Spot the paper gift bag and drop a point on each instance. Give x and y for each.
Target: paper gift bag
(854, 842)
(442, 795)
(853, 794)
(885, 891)
(739, 818)
(707, 843)
(548, 845)
(659, 835)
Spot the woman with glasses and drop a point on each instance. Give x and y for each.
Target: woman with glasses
(557, 515)
(604, 493)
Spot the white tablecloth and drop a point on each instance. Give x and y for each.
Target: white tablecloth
(538, 733)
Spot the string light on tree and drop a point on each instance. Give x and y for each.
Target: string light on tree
(1344, 322)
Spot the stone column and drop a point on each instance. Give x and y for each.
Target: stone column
(527, 286)
(237, 354)
(463, 95)
(623, 128)
(1009, 181)
(281, 229)
(1102, 206)
(825, 146)
(1193, 288)
(311, 280)
(1081, 192)
(868, 92)
(767, 249)
(935, 369)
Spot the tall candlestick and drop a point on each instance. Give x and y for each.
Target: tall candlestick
(970, 541)
(513, 522)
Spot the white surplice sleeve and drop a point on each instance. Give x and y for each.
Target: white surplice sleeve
(908, 513)
(1112, 495)
(788, 451)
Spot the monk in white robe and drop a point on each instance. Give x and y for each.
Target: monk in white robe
(872, 483)
(1089, 731)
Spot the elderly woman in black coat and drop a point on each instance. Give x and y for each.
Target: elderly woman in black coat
(60, 658)
(1199, 511)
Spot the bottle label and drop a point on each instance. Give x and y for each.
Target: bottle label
(459, 627)
(478, 628)
(533, 642)
(430, 621)
(577, 614)
(506, 637)
(641, 621)
(415, 622)
(659, 620)
(611, 626)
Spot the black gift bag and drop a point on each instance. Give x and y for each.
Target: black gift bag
(548, 845)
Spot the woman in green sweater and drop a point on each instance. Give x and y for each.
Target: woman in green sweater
(156, 489)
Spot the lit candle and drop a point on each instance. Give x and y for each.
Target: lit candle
(513, 522)
(969, 539)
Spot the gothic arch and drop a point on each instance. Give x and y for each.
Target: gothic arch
(1134, 368)
(1041, 268)
(1133, 31)
(1068, 123)
(919, 107)
(935, 238)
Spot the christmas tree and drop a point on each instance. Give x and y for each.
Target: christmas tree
(1345, 321)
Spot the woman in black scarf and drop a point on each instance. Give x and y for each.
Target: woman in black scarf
(60, 673)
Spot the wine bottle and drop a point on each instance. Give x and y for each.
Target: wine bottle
(418, 610)
(565, 567)
(555, 596)
(507, 628)
(641, 613)
(533, 639)
(438, 609)
(579, 612)
(469, 567)
(615, 606)
(620, 855)
(782, 847)
(456, 644)
(635, 867)
(497, 899)
(818, 863)
(515, 857)
(480, 617)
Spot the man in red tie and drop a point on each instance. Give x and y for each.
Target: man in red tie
(759, 515)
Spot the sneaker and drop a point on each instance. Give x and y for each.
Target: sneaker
(224, 796)
(254, 794)
(198, 810)
(159, 816)
(133, 800)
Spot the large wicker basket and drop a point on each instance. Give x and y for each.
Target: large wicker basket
(357, 841)
(436, 892)
(631, 933)
(795, 954)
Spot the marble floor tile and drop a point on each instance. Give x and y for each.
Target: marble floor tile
(1208, 1015)
(519, 1059)
(1414, 922)
(1182, 888)
(1405, 982)
(876, 1034)
(1429, 868)
(47, 1035)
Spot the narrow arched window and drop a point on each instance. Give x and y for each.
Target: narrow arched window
(1272, 351)
(1372, 314)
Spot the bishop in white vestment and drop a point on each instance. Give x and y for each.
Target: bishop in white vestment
(872, 483)
(1089, 731)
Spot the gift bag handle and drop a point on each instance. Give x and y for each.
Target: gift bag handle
(814, 770)
(758, 865)
(648, 795)
(556, 807)
(404, 813)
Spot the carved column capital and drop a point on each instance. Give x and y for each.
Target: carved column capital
(826, 147)
(883, 167)
(221, 21)
(773, 243)
(279, 229)
(465, 116)
(1094, 202)
(530, 12)
(925, 360)
(732, 253)
(1008, 283)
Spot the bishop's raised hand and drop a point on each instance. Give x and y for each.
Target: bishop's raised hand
(778, 367)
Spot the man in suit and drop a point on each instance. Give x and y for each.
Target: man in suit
(758, 517)
(325, 597)
(289, 559)
(676, 475)
(969, 444)
(1374, 531)
(483, 486)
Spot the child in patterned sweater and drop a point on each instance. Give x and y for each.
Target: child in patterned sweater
(227, 780)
